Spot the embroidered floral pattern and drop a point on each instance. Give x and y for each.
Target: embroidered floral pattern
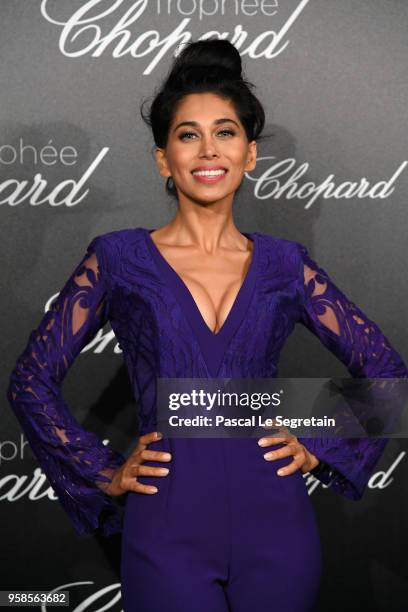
(346, 464)
(118, 281)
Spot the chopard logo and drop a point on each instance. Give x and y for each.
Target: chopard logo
(36, 190)
(98, 29)
(283, 181)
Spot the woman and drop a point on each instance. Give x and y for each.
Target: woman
(209, 524)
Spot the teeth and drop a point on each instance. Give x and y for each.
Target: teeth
(209, 172)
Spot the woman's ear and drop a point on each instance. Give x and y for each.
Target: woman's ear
(251, 157)
(161, 162)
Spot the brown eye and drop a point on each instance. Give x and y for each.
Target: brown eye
(186, 134)
(227, 131)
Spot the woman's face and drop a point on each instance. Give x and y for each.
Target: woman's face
(206, 133)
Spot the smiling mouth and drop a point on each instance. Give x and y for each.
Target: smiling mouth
(209, 176)
(217, 172)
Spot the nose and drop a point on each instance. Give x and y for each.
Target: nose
(208, 147)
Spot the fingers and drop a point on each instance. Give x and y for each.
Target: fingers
(268, 440)
(141, 453)
(146, 439)
(136, 468)
(291, 468)
(149, 470)
(127, 482)
(285, 451)
(131, 484)
(150, 455)
(285, 436)
(291, 448)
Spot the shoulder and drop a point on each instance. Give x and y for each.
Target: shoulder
(119, 236)
(290, 257)
(113, 246)
(117, 239)
(284, 253)
(287, 248)
(276, 242)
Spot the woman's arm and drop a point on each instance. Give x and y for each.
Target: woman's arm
(345, 464)
(76, 462)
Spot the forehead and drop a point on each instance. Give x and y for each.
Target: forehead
(204, 108)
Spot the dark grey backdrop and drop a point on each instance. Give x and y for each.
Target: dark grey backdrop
(335, 94)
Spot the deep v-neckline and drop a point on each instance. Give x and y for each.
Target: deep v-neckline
(213, 345)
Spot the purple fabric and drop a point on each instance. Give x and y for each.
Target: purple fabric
(123, 279)
(224, 533)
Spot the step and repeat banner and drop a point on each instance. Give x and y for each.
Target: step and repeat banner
(76, 160)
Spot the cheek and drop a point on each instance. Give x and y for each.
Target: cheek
(236, 168)
(179, 159)
(183, 163)
(238, 159)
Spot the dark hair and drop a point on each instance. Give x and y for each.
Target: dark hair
(204, 66)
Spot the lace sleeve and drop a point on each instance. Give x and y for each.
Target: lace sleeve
(345, 464)
(76, 462)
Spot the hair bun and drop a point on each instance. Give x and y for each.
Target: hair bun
(207, 59)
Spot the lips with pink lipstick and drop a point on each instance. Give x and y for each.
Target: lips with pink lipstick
(209, 174)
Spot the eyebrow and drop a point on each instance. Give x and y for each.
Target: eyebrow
(216, 122)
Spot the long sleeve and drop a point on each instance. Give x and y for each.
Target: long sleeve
(76, 462)
(345, 464)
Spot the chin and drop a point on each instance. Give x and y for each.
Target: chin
(206, 198)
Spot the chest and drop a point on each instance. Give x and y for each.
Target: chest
(213, 282)
(174, 304)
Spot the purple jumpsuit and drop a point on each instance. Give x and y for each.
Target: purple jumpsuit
(224, 532)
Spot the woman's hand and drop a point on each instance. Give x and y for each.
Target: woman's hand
(302, 458)
(125, 477)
